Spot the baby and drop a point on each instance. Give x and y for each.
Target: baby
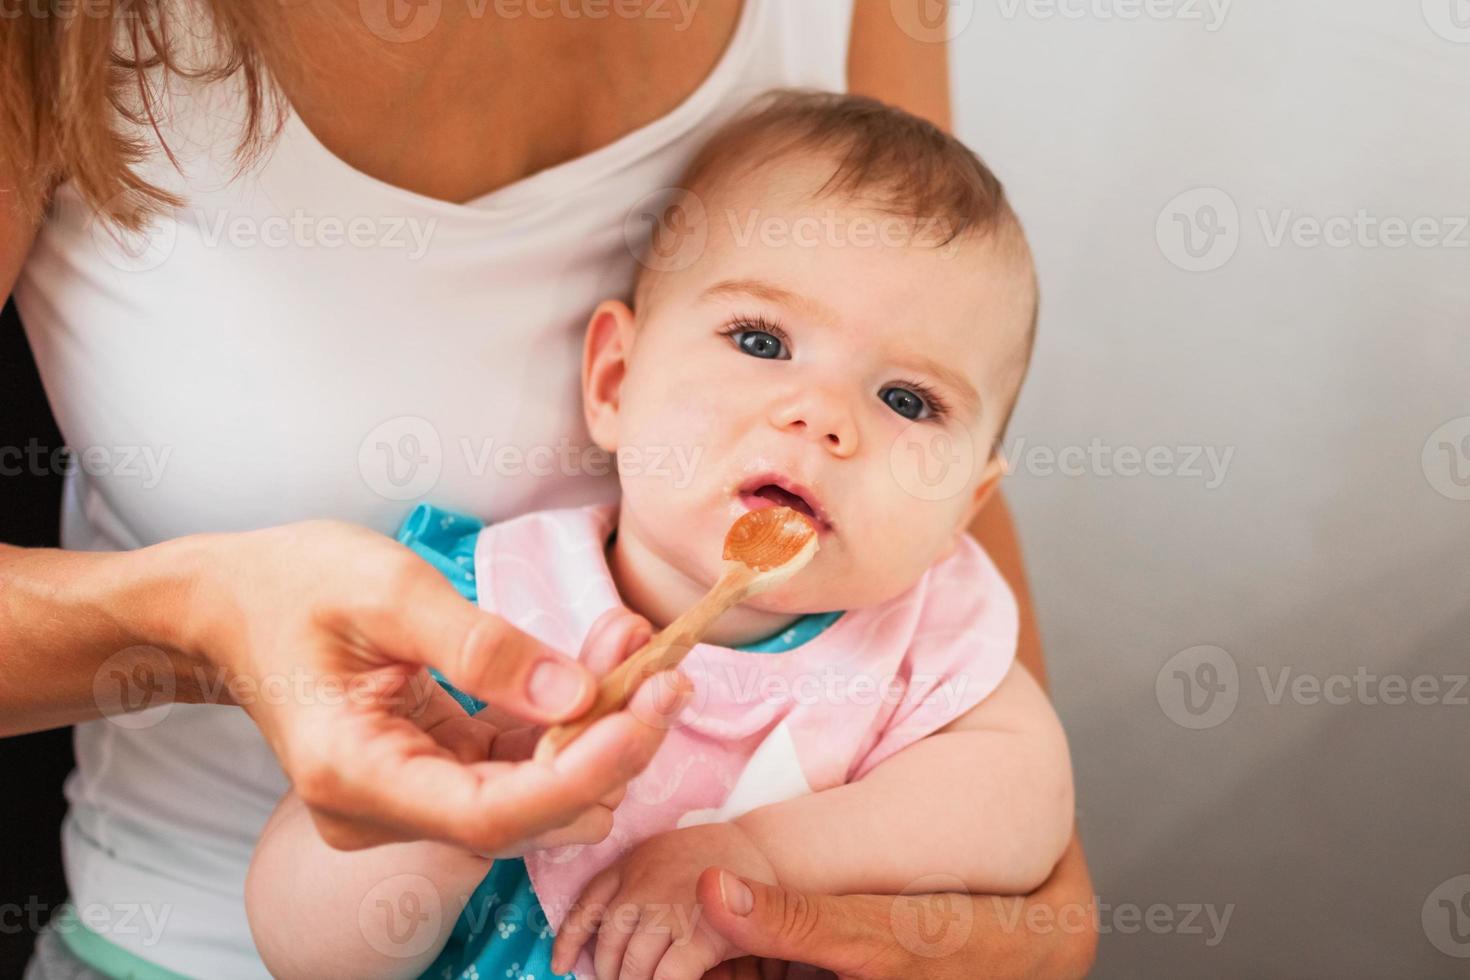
(834, 314)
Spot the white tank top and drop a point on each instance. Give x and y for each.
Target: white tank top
(307, 341)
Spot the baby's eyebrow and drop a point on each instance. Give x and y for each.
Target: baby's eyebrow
(771, 293)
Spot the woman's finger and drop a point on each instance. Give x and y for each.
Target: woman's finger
(515, 745)
(534, 799)
(850, 935)
(371, 779)
(465, 738)
(429, 623)
(590, 827)
(470, 739)
(386, 779)
(614, 636)
(612, 799)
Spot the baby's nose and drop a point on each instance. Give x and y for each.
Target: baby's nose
(820, 415)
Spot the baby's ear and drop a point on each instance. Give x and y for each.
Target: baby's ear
(995, 468)
(605, 351)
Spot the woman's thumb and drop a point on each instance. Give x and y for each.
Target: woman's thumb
(486, 656)
(775, 923)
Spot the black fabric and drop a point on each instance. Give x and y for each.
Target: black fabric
(32, 766)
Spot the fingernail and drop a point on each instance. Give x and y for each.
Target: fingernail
(555, 686)
(736, 894)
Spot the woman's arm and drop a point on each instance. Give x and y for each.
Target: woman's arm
(896, 54)
(329, 609)
(935, 936)
(64, 614)
(75, 627)
(1050, 933)
(346, 620)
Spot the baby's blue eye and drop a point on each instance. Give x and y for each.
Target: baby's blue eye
(758, 343)
(904, 402)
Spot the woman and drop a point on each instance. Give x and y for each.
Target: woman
(449, 187)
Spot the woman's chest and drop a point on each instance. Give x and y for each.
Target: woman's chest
(454, 99)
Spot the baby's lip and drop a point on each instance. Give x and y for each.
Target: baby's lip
(801, 491)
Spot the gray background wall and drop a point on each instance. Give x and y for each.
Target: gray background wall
(1334, 546)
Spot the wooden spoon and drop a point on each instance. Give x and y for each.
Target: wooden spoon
(763, 548)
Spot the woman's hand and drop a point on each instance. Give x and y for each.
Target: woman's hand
(1051, 933)
(345, 622)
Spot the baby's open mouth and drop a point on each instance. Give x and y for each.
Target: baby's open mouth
(770, 490)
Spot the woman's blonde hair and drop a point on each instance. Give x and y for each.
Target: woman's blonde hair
(76, 75)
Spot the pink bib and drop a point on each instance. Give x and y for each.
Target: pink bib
(761, 727)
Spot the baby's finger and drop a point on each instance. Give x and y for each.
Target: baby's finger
(582, 921)
(613, 937)
(689, 958)
(647, 945)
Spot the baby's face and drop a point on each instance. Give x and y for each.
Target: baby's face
(859, 379)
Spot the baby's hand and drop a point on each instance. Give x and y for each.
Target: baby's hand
(643, 911)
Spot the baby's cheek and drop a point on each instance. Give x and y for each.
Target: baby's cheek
(891, 559)
(677, 431)
(867, 575)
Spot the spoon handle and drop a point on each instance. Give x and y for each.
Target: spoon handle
(662, 652)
